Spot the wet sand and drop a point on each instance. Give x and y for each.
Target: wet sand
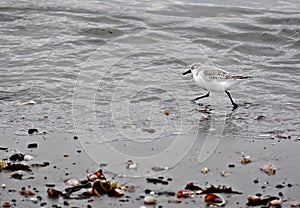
(246, 178)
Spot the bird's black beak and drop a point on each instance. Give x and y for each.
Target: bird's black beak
(187, 72)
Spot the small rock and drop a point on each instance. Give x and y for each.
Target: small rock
(231, 165)
(28, 157)
(3, 185)
(149, 130)
(166, 112)
(149, 200)
(31, 131)
(26, 193)
(32, 145)
(269, 168)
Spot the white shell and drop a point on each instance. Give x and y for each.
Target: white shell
(149, 200)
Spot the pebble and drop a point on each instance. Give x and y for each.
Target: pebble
(149, 200)
(31, 131)
(32, 145)
(231, 165)
(3, 185)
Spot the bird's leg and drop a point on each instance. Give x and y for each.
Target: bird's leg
(233, 103)
(198, 98)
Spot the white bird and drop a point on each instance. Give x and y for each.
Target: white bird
(214, 80)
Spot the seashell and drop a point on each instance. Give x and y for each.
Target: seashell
(6, 204)
(28, 157)
(130, 164)
(275, 203)
(72, 182)
(166, 112)
(53, 193)
(3, 185)
(185, 193)
(269, 168)
(97, 175)
(246, 160)
(214, 199)
(149, 200)
(224, 173)
(29, 102)
(295, 204)
(174, 200)
(26, 193)
(204, 170)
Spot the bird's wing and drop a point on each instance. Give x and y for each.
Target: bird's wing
(218, 74)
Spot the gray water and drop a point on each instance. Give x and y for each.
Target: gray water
(108, 68)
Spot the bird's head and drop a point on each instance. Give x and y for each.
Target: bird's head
(193, 68)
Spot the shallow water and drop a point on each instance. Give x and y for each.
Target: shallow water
(106, 69)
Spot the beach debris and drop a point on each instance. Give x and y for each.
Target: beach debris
(101, 187)
(3, 186)
(66, 155)
(19, 174)
(204, 170)
(2, 164)
(28, 157)
(260, 117)
(29, 102)
(166, 112)
(149, 130)
(295, 204)
(149, 200)
(96, 175)
(6, 204)
(219, 189)
(158, 168)
(214, 199)
(224, 173)
(16, 166)
(268, 201)
(246, 160)
(269, 168)
(130, 164)
(26, 192)
(54, 193)
(72, 182)
(174, 200)
(32, 131)
(17, 157)
(157, 180)
(193, 187)
(185, 193)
